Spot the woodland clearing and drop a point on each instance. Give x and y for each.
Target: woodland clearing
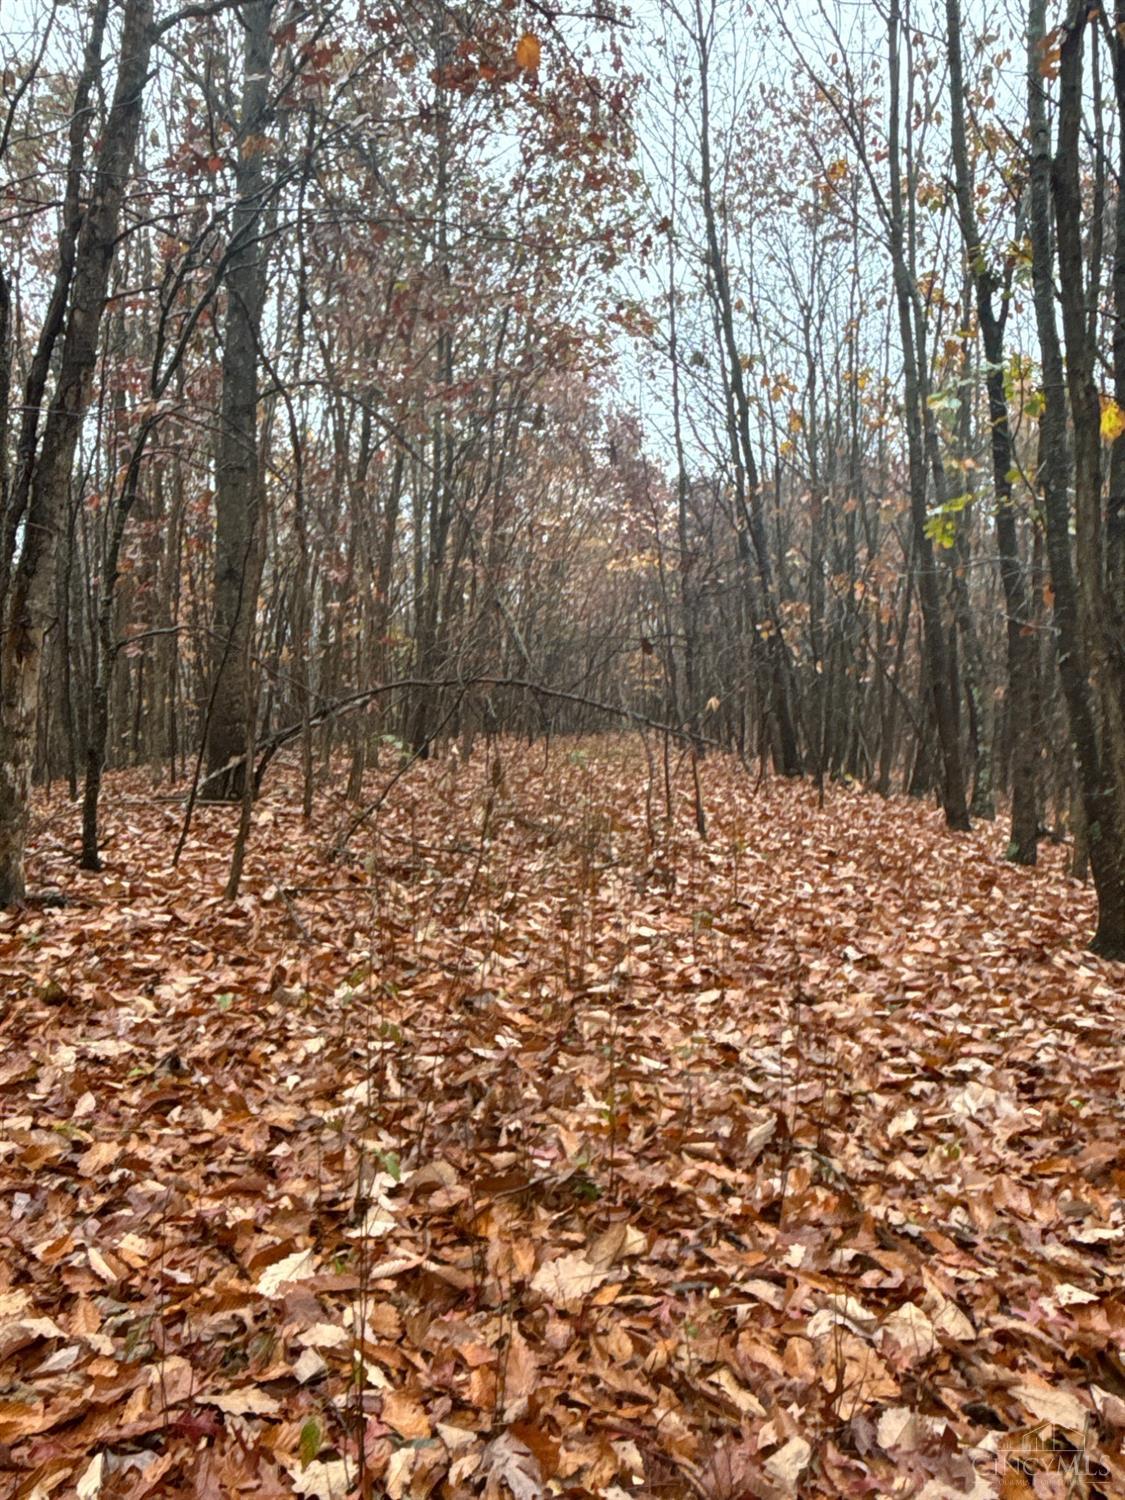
(536, 1145)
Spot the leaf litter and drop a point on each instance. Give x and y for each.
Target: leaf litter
(537, 1146)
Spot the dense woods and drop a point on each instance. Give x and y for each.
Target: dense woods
(559, 465)
(385, 375)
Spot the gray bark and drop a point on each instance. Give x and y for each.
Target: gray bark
(238, 540)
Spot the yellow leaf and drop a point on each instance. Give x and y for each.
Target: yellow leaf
(1113, 420)
(527, 52)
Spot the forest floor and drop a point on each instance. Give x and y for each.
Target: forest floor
(582, 1155)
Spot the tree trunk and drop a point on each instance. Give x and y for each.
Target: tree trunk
(748, 487)
(29, 597)
(1079, 615)
(929, 596)
(1022, 647)
(237, 500)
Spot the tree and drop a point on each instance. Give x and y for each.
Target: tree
(1022, 648)
(922, 450)
(238, 480)
(87, 244)
(768, 639)
(1091, 660)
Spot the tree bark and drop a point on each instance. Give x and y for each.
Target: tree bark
(1022, 647)
(1078, 612)
(28, 598)
(748, 488)
(238, 542)
(929, 595)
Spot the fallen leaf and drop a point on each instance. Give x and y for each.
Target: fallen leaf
(521, 1369)
(324, 1336)
(100, 1155)
(308, 1366)
(90, 1481)
(321, 1480)
(568, 1280)
(296, 1267)
(508, 1460)
(406, 1415)
(247, 1401)
(1072, 1296)
(790, 1461)
(1050, 1404)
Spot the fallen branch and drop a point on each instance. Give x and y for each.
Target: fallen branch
(268, 747)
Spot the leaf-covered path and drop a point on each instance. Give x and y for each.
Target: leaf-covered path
(584, 1156)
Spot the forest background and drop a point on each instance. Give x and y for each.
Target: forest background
(407, 373)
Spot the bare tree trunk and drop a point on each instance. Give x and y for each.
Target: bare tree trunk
(1080, 619)
(1022, 646)
(17, 492)
(5, 387)
(429, 616)
(748, 487)
(29, 596)
(238, 544)
(688, 705)
(1115, 511)
(938, 679)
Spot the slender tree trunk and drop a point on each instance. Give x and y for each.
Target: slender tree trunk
(440, 492)
(18, 490)
(5, 387)
(1079, 618)
(1022, 646)
(28, 599)
(1115, 511)
(748, 488)
(688, 705)
(238, 544)
(929, 595)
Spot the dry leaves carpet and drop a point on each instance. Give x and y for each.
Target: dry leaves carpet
(534, 1145)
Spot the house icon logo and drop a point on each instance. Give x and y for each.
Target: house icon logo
(1044, 1449)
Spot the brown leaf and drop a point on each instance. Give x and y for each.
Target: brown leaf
(406, 1415)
